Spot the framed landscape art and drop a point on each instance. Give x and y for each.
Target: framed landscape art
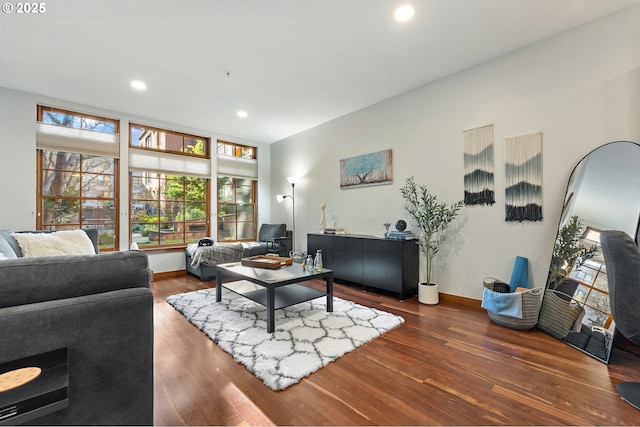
(367, 169)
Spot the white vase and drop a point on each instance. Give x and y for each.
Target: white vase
(428, 293)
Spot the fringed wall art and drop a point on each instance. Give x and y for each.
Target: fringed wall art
(523, 179)
(367, 169)
(479, 166)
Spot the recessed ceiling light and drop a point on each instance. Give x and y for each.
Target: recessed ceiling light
(242, 114)
(404, 13)
(138, 85)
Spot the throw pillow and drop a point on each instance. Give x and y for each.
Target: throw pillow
(68, 242)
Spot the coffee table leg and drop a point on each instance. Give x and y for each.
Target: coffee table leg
(218, 285)
(271, 302)
(329, 280)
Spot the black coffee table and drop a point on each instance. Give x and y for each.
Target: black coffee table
(279, 288)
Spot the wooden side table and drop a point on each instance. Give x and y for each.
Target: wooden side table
(33, 386)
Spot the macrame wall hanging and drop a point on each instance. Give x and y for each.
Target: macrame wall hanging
(479, 186)
(523, 178)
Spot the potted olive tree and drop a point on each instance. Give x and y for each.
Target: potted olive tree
(568, 251)
(432, 218)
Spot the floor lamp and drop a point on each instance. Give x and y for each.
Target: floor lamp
(280, 198)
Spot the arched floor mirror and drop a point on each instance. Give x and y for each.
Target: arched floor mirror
(603, 193)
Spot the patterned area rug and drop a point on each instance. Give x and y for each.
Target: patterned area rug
(306, 336)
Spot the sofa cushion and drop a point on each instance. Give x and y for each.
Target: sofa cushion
(67, 242)
(272, 231)
(37, 279)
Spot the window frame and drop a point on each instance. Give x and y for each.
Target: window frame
(254, 190)
(165, 176)
(237, 150)
(238, 156)
(40, 176)
(586, 288)
(41, 109)
(207, 148)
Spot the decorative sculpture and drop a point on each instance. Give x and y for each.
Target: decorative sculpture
(323, 219)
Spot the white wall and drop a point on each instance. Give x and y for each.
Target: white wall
(580, 88)
(18, 167)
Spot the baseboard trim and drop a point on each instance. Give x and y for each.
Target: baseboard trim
(445, 297)
(169, 274)
(461, 300)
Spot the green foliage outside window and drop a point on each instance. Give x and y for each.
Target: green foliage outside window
(169, 209)
(236, 209)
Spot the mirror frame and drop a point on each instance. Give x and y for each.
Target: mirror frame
(610, 333)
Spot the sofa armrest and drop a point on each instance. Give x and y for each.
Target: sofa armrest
(109, 341)
(37, 279)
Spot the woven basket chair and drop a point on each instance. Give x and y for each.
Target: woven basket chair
(531, 301)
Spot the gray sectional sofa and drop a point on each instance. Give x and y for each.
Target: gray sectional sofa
(100, 309)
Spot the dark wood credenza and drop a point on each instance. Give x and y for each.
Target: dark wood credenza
(373, 262)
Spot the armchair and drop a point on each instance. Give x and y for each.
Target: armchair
(276, 238)
(622, 258)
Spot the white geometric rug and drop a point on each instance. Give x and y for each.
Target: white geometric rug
(305, 339)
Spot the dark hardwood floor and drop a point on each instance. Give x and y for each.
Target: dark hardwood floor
(448, 364)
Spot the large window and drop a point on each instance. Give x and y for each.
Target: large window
(236, 209)
(77, 185)
(237, 189)
(169, 187)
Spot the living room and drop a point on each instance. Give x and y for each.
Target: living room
(578, 88)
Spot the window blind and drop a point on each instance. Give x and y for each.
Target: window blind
(163, 163)
(237, 167)
(83, 141)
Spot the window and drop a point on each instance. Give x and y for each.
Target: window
(162, 140)
(169, 186)
(236, 209)
(70, 119)
(236, 150)
(237, 189)
(593, 292)
(77, 185)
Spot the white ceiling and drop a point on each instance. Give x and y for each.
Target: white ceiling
(292, 64)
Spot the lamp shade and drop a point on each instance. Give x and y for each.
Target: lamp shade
(279, 198)
(292, 179)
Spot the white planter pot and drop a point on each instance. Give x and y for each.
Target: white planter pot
(428, 293)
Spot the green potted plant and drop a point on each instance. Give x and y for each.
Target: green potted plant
(432, 218)
(567, 251)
